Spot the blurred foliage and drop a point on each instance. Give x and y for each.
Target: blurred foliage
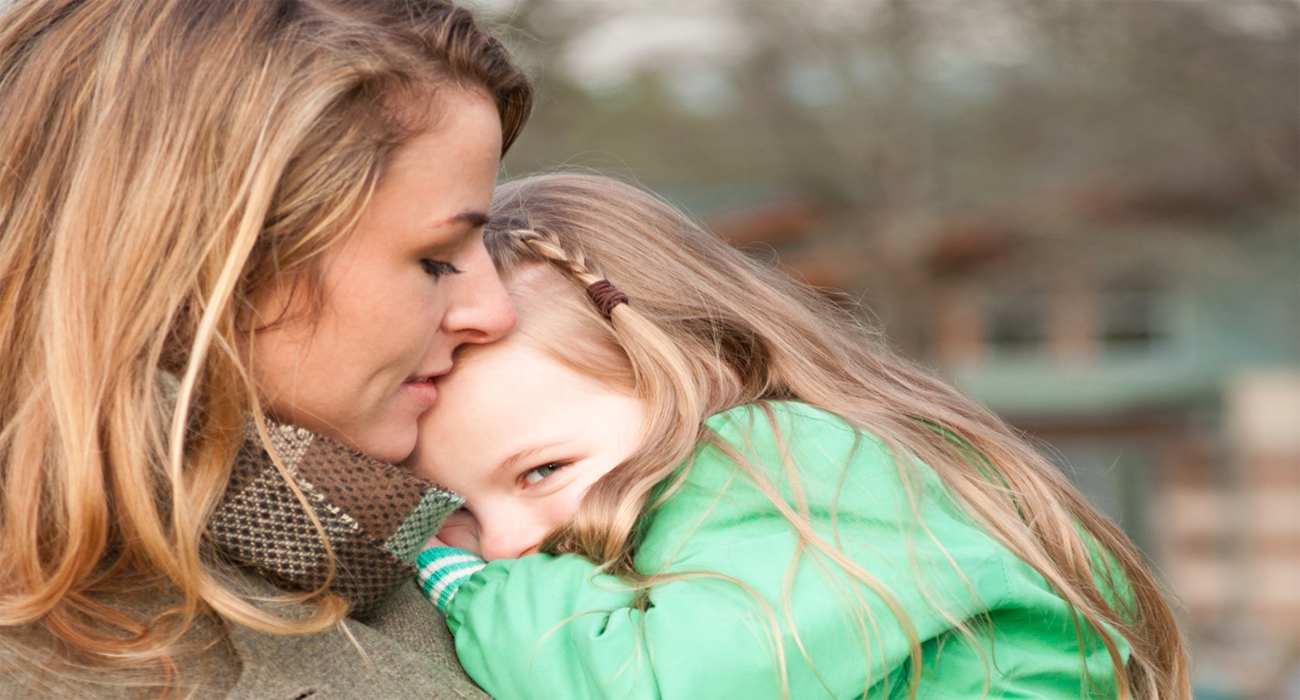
(944, 103)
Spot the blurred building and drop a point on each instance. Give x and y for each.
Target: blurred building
(1169, 388)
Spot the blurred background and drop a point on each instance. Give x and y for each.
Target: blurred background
(1086, 213)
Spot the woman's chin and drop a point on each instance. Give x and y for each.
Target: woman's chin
(392, 446)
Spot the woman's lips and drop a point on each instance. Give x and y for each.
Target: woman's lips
(422, 390)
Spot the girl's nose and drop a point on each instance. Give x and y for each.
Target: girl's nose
(510, 542)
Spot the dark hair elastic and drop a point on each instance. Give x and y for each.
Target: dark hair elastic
(606, 296)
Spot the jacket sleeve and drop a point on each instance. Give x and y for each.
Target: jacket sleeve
(553, 626)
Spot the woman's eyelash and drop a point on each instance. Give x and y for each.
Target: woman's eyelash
(537, 475)
(437, 268)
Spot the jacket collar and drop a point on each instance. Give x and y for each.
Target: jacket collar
(375, 516)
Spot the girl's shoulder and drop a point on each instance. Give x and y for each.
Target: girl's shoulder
(745, 416)
(767, 422)
(769, 433)
(806, 450)
(764, 461)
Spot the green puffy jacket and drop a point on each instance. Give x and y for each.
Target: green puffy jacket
(553, 627)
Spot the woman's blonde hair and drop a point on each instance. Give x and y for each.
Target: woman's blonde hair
(165, 161)
(708, 329)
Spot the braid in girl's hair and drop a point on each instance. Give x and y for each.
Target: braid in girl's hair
(547, 246)
(602, 292)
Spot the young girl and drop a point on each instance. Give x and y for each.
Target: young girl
(694, 478)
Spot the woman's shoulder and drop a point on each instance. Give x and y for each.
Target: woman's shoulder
(204, 663)
(403, 650)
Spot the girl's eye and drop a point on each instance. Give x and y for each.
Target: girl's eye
(537, 475)
(437, 268)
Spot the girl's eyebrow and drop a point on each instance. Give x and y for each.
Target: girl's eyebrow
(522, 456)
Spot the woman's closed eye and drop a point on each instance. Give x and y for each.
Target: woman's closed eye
(437, 268)
(537, 475)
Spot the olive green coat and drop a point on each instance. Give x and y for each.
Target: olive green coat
(407, 654)
(376, 515)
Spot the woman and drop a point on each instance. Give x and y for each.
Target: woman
(217, 220)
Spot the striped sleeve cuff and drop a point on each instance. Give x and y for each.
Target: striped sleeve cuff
(442, 570)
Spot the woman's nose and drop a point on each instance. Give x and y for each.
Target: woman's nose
(481, 311)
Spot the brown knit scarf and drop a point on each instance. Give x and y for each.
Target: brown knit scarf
(377, 517)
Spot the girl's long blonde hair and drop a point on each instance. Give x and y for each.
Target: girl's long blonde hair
(709, 329)
(164, 162)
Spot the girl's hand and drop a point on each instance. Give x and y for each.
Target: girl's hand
(441, 568)
(459, 530)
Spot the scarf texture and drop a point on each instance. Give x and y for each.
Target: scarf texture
(377, 517)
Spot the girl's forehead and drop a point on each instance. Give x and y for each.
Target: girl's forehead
(511, 397)
(510, 374)
(530, 279)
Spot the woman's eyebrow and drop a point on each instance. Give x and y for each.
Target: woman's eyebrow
(473, 218)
